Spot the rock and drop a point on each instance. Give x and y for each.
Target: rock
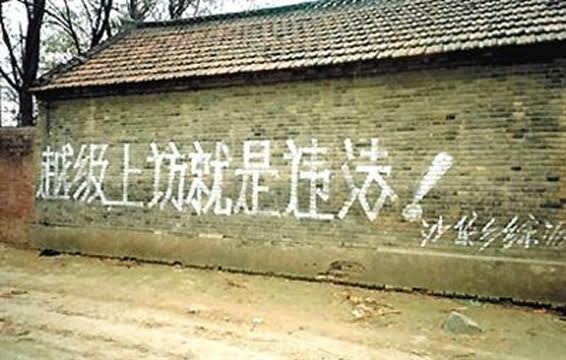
(460, 324)
(255, 322)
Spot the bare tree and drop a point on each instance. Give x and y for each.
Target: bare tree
(85, 22)
(73, 27)
(1, 104)
(139, 10)
(23, 56)
(177, 8)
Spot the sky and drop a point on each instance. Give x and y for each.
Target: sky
(236, 5)
(8, 108)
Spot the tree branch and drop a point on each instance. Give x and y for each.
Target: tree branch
(71, 29)
(8, 42)
(10, 81)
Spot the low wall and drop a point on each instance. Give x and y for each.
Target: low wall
(446, 175)
(17, 183)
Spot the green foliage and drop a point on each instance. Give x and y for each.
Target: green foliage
(57, 48)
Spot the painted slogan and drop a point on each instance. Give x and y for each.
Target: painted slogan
(78, 174)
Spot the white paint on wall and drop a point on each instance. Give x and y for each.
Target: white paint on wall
(306, 165)
(554, 235)
(200, 170)
(487, 233)
(55, 166)
(176, 176)
(47, 174)
(80, 167)
(127, 170)
(256, 165)
(440, 165)
(64, 164)
(466, 230)
(433, 232)
(519, 232)
(221, 162)
(507, 232)
(373, 174)
(90, 167)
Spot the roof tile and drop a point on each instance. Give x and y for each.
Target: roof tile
(316, 33)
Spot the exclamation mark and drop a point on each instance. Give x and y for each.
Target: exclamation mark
(440, 165)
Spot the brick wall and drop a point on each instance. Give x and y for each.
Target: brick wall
(17, 181)
(490, 136)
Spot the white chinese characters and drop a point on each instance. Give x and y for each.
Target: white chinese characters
(195, 180)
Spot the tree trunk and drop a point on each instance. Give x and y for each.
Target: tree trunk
(24, 70)
(25, 117)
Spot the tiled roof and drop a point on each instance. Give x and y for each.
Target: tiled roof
(310, 34)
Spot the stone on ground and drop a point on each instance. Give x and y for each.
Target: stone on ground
(460, 324)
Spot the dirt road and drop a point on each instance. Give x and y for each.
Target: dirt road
(70, 307)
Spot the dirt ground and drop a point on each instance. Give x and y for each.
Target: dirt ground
(71, 307)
